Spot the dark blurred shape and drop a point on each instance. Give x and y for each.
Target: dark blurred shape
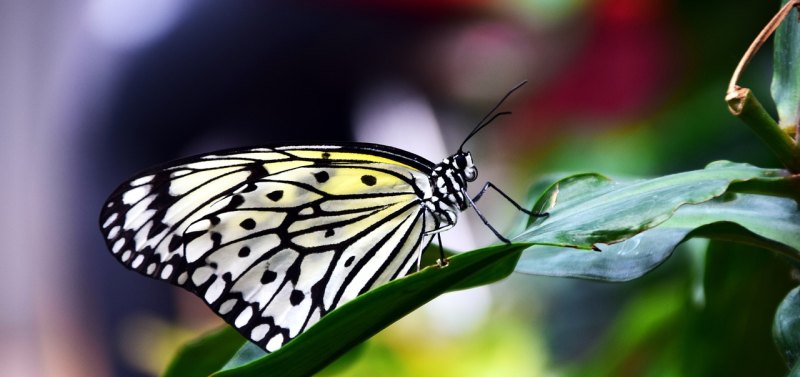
(626, 67)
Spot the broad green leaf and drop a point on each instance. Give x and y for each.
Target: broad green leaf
(770, 222)
(205, 355)
(657, 210)
(359, 319)
(786, 330)
(593, 209)
(786, 70)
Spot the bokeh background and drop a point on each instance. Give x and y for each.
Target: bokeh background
(92, 91)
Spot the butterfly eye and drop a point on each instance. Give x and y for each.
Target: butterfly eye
(460, 161)
(471, 173)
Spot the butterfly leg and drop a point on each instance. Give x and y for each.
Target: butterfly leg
(486, 222)
(442, 261)
(515, 204)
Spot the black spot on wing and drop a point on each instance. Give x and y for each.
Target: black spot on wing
(369, 180)
(296, 297)
(216, 239)
(275, 195)
(321, 176)
(268, 277)
(248, 224)
(244, 252)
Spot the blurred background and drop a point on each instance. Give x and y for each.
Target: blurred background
(91, 91)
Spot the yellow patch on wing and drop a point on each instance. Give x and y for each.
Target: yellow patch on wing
(348, 181)
(348, 156)
(275, 167)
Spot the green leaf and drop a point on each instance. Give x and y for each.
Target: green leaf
(366, 315)
(655, 216)
(786, 329)
(786, 70)
(205, 355)
(594, 209)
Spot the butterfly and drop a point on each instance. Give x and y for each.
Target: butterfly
(275, 237)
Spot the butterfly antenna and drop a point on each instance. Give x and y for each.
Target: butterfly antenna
(491, 116)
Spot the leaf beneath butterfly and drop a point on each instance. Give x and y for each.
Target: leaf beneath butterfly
(205, 355)
(637, 224)
(366, 315)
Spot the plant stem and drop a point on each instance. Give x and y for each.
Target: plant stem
(744, 105)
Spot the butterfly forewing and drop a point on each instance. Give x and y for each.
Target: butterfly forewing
(274, 238)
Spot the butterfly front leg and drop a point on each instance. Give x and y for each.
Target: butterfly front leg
(487, 185)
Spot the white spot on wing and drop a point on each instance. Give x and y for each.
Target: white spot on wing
(166, 271)
(151, 268)
(227, 306)
(201, 275)
(142, 180)
(118, 245)
(275, 343)
(215, 290)
(126, 255)
(138, 261)
(244, 317)
(183, 277)
(113, 232)
(259, 332)
(135, 194)
(110, 220)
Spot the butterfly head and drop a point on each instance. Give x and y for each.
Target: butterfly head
(464, 167)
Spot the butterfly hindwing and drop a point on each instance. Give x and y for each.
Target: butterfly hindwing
(274, 238)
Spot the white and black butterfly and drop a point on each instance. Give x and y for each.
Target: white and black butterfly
(273, 238)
